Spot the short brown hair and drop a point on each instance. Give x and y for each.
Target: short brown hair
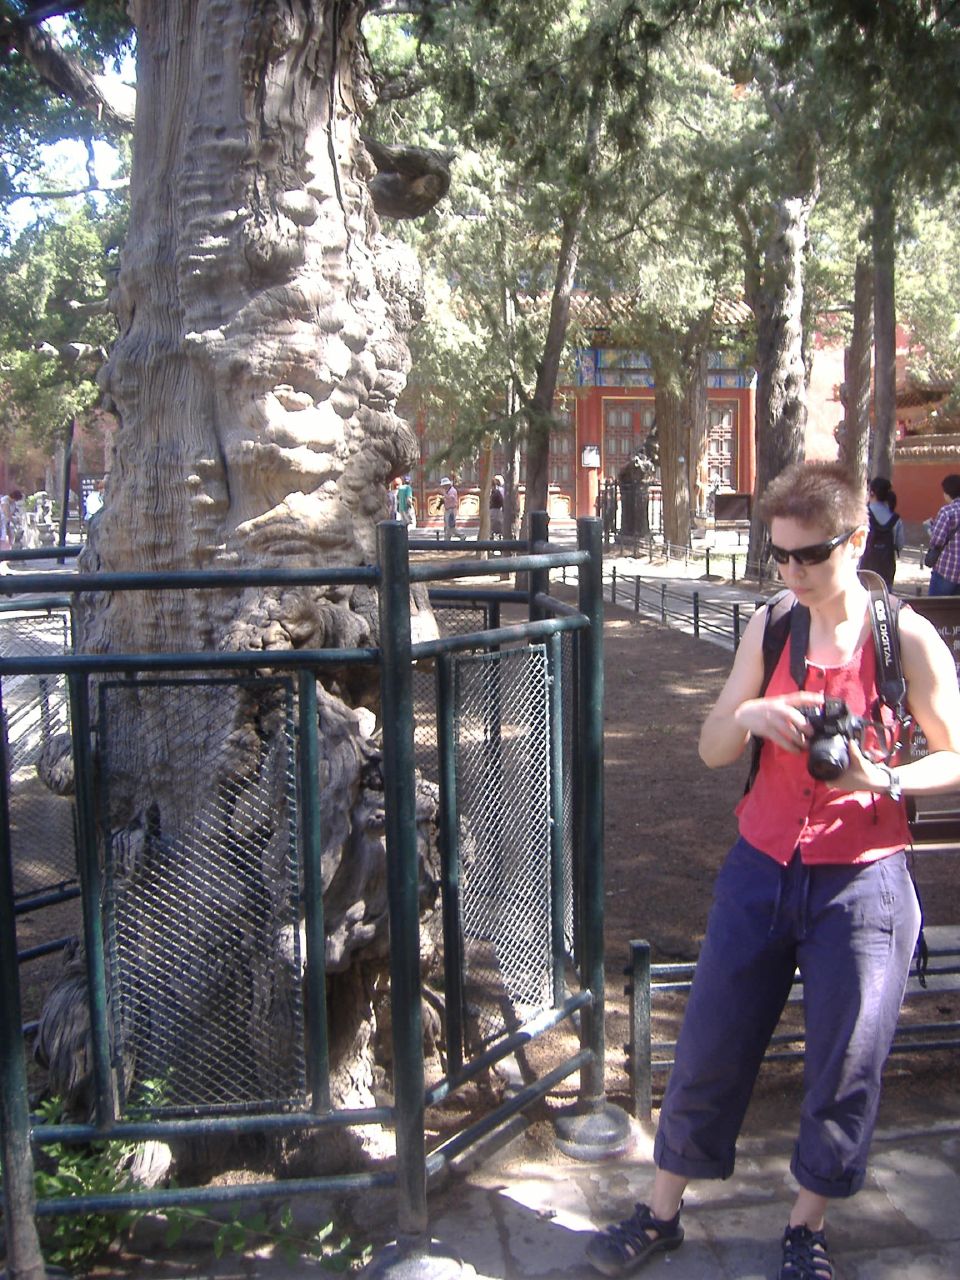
(814, 493)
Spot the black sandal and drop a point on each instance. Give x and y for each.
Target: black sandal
(624, 1247)
(805, 1255)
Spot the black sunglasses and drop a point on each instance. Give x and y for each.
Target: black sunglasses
(816, 554)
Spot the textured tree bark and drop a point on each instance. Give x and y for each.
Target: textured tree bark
(885, 337)
(854, 432)
(776, 297)
(680, 399)
(263, 321)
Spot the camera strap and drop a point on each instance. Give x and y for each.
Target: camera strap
(884, 623)
(884, 613)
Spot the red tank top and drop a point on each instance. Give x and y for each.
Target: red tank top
(786, 809)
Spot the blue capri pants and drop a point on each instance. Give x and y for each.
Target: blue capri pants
(851, 931)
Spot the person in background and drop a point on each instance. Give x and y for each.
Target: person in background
(94, 500)
(6, 522)
(496, 507)
(451, 505)
(405, 509)
(392, 500)
(945, 541)
(817, 881)
(885, 531)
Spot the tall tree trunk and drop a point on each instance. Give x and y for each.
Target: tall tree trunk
(672, 434)
(540, 409)
(885, 335)
(776, 297)
(697, 415)
(263, 320)
(854, 431)
(680, 399)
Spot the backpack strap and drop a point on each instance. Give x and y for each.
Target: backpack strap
(777, 626)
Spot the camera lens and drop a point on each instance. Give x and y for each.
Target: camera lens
(828, 757)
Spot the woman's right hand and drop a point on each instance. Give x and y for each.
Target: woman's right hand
(779, 719)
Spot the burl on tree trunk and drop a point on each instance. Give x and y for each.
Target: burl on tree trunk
(263, 321)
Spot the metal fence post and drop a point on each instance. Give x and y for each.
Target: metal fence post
(91, 883)
(640, 1047)
(593, 1128)
(24, 1259)
(318, 1070)
(396, 706)
(696, 614)
(539, 579)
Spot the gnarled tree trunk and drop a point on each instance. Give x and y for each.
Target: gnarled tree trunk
(263, 321)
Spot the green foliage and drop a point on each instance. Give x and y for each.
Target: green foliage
(32, 117)
(77, 1241)
(928, 289)
(52, 339)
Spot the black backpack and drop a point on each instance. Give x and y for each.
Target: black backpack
(880, 555)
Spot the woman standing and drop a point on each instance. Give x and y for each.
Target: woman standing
(818, 880)
(885, 531)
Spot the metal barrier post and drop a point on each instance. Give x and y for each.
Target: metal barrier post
(318, 1069)
(696, 614)
(736, 627)
(640, 1047)
(396, 709)
(707, 556)
(539, 579)
(91, 884)
(450, 861)
(593, 1128)
(413, 1251)
(557, 884)
(24, 1259)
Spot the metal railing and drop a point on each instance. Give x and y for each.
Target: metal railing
(518, 716)
(647, 981)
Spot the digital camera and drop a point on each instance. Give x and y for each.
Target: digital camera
(833, 727)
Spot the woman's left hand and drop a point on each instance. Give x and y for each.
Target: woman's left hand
(862, 774)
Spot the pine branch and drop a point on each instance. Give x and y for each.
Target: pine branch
(66, 75)
(118, 184)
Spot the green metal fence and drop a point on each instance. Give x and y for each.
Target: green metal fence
(504, 716)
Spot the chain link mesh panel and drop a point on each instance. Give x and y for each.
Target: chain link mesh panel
(452, 620)
(202, 911)
(503, 787)
(35, 713)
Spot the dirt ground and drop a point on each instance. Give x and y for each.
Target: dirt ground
(669, 822)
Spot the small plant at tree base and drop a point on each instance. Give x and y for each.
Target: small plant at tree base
(76, 1241)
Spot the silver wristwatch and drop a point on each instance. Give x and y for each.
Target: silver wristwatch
(894, 789)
